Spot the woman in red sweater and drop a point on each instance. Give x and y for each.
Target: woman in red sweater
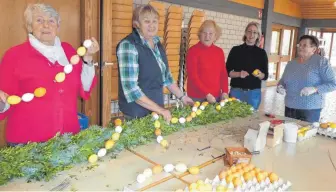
(46, 77)
(207, 76)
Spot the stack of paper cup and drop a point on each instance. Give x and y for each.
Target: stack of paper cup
(290, 132)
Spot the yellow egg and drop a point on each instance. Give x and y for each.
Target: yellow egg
(246, 169)
(200, 182)
(174, 120)
(233, 168)
(194, 170)
(256, 72)
(157, 124)
(81, 51)
(109, 144)
(221, 188)
(157, 169)
(93, 158)
(197, 104)
(218, 107)
(13, 100)
(193, 186)
(164, 143)
(115, 136)
(193, 114)
(40, 92)
(60, 77)
(333, 125)
(260, 177)
(198, 112)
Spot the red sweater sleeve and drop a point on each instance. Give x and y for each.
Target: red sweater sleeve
(224, 76)
(192, 70)
(8, 80)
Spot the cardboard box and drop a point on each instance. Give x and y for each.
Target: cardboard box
(256, 140)
(277, 137)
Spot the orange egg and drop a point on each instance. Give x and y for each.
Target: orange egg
(273, 177)
(237, 182)
(247, 176)
(253, 173)
(229, 178)
(233, 168)
(260, 177)
(239, 166)
(236, 174)
(257, 170)
(222, 174)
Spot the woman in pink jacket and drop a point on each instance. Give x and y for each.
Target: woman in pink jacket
(46, 76)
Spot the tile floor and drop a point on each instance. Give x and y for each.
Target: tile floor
(274, 103)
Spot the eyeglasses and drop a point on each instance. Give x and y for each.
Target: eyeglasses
(252, 32)
(303, 46)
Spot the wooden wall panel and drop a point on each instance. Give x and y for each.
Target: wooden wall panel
(253, 3)
(90, 28)
(287, 7)
(13, 31)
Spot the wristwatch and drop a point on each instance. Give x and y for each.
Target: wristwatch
(180, 98)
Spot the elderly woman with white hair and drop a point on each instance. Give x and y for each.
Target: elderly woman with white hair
(247, 65)
(207, 76)
(41, 79)
(143, 68)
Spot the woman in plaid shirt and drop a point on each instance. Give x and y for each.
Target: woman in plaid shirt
(143, 68)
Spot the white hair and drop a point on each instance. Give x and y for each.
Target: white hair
(28, 14)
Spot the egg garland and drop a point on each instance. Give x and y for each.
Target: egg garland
(168, 168)
(327, 129)
(109, 144)
(242, 177)
(59, 77)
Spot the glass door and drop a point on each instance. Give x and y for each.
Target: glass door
(282, 51)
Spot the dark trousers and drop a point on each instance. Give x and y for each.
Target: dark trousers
(309, 115)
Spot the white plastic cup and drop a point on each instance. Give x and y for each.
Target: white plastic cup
(290, 132)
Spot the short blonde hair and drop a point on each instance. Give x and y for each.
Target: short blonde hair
(257, 25)
(210, 23)
(28, 13)
(140, 12)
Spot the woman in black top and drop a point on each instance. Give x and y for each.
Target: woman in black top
(247, 66)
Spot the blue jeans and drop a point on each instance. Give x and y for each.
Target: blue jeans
(252, 97)
(309, 115)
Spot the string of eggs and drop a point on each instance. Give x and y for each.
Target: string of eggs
(59, 77)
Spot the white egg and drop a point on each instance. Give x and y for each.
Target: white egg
(27, 97)
(182, 120)
(194, 109)
(226, 100)
(252, 109)
(155, 116)
(159, 139)
(289, 183)
(257, 187)
(216, 180)
(280, 181)
(118, 129)
(252, 188)
(267, 180)
(244, 186)
(222, 103)
(148, 172)
(231, 186)
(316, 124)
(249, 183)
(87, 43)
(101, 152)
(168, 168)
(141, 178)
(238, 100)
(180, 167)
(68, 69)
(202, 107)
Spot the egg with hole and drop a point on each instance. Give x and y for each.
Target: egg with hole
(118, 129)
(13, 100)
(27, 97)
(182, 120)
(202, 107)
(155, 116)
(157, 169)
(141, 178)
(87, 43)
(68, 69)
(159, 139)
(81, 51)
(194, 170)
(74, 59)
(148, 172)
(194, 109)
(168, 168)
(101, 152)
(181, 167)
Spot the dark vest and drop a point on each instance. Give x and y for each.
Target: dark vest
(149, 80)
